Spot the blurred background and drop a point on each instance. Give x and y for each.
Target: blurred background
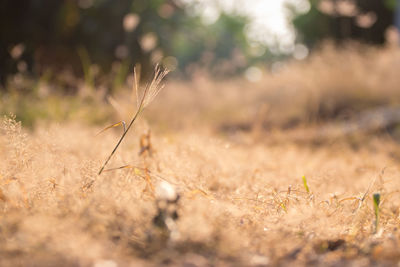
(62, 46)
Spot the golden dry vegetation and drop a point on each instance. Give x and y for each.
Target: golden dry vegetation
(236, 153)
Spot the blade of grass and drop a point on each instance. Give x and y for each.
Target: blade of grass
(123, 167)
(305, 184)
(112, 126)
(376, 200)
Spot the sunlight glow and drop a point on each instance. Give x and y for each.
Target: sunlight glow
(270, 19)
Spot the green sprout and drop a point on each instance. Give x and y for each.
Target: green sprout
(377, 200)
(305, 184)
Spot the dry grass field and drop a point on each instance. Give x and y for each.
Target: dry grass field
(281, 172)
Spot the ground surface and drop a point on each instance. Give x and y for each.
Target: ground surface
(237, 166)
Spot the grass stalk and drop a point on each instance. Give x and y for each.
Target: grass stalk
(150, 92)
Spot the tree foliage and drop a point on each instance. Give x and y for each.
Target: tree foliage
(341, 20)
(47, 36)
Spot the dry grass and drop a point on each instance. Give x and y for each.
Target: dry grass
(333, 84)
(243, 199)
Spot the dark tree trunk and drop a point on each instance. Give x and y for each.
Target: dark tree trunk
(397, 18)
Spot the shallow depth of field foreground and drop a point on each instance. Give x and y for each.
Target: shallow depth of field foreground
(275, 173)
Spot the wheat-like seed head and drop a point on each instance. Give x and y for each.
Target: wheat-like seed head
(152, 88)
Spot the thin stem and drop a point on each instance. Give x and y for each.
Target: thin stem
(120, 140)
